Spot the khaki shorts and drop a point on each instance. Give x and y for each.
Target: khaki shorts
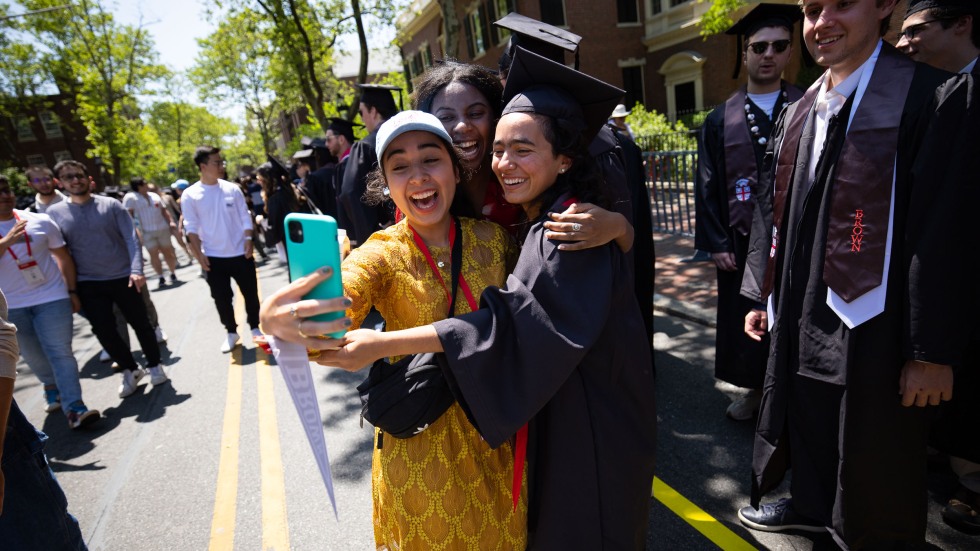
(159, 239)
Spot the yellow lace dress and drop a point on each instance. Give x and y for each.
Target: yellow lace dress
(443, 488)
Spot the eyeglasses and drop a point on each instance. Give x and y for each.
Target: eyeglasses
(217, 162)
(70, 177)
(912, 30)
(778, 46)
(39, 180)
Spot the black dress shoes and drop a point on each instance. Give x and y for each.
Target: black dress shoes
(778, 516)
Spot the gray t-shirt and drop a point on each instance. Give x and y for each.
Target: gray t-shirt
(101, 238)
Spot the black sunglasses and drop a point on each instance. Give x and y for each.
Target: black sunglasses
(912, 30)
(759, 48)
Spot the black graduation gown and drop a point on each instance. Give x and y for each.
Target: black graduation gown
(831, 393)
(739, 360)
(563, 347)
(957, 430)
(644, 256)
(361, 219)
(320, 189)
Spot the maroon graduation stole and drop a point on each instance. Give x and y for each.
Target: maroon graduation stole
(741, 168)
(862, 185)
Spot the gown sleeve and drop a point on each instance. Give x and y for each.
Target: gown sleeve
(363, 219)
(506, 360)
(711, 224)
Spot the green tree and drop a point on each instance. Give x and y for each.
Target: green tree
(178, 128)
(718, 18)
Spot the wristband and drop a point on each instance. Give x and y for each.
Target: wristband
(248, 238)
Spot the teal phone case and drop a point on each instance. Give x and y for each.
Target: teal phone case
(318, 248)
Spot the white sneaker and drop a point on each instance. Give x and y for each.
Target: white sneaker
(157, 376)
(230, 341)
(104, 356)
(745, 407)
(130, 379)
(161, 336)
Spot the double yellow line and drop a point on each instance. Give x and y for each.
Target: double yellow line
(275, 526)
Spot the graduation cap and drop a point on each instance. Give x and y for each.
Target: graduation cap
(279, 172)
(960, 7)
(318, 143)
(541, 38)
(761, 16)
(578, 101)
(379, 95)
(303, 154)
(343, 127)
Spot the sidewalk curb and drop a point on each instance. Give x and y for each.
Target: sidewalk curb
(684, 310)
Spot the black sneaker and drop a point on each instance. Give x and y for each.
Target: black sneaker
(777, 517)
(163, 282)
(963, 511)
(173, 277)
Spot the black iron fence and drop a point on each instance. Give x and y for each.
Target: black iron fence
(670, 162)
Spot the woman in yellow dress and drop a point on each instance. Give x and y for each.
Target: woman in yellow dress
(443, 488)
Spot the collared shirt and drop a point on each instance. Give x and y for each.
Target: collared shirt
(147, 209)
(41, 207)
(830, 102)
(970, 66)
(345, 155)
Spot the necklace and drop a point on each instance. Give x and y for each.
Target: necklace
(750, 117)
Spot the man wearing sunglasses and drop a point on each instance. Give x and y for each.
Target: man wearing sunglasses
(850, 247)
(730, 151)
(41, 180)
(942, 33)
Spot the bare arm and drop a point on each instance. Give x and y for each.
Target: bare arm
(67, 266)
(596, 226)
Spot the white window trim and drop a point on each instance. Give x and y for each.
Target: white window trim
(681, 68)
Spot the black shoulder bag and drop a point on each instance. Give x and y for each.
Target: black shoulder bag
(404, 398)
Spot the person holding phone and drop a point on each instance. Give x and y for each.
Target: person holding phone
(402, 272)
(562, 347)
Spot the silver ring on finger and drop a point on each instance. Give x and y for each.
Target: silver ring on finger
(576, 227)
(299, 328)
(292, 310)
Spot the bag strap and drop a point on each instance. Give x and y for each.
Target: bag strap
(455, 265)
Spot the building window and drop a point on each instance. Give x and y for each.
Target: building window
(500, 9)
(24, 131)
(633, 84)
(677, 2)
(36, 160)
(684, 83)
(426, 56)
(49, 121)
(61, 156)
(477, 32)
(656, 7)
(627, 12)
(553, 12)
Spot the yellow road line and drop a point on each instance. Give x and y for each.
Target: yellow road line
(275, 527)
(226, 494)
(709, 527)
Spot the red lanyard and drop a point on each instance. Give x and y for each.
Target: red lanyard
(27, 239)
(435, 270)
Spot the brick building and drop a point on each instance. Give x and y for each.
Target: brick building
(44, 131)
(650, 48)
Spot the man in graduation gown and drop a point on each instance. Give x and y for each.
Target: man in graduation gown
(942, 33)
(359, 219)
(946, 34)
(860, 352)
(730, 150)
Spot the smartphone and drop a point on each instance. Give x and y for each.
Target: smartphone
(311, 242)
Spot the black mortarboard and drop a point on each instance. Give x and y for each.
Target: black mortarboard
(343, 127)
(960, 7)
(379, 95)
(278, 171)
(318, 143)
(761, 16)
(541, 38)
(578, 101)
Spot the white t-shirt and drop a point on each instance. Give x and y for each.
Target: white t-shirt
(219, 216)
(147, 210)
(44, 235)
(766, 102)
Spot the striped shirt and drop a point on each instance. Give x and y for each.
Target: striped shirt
(146, 208)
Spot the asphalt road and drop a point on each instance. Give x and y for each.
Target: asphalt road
(217, 458)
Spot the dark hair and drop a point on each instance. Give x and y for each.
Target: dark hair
(439, 76)
(948, 17)
(273, 184)
(136, 182)
(202, 153)
(72, 163)
(4, 180)
(375, 182)
(386, 109)
(582, 180)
